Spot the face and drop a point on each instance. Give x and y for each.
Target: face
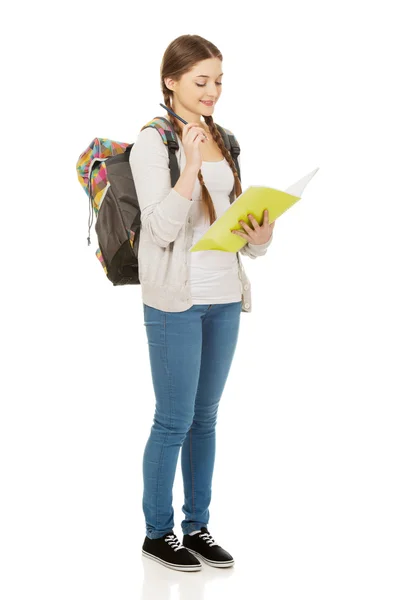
(202, 82)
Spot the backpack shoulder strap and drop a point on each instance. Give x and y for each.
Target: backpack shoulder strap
(232, 144)
(169, 137)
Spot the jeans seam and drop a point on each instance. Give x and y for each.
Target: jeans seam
(192, 470)
(170, 423)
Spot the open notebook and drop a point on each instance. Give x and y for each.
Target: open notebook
(254, 200)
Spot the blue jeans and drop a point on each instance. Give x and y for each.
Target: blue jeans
(190, 355)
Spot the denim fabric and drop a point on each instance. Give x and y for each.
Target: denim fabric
(190, 355)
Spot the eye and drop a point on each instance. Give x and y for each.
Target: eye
(203, 84)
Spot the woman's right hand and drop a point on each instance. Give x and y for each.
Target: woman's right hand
(192, 137)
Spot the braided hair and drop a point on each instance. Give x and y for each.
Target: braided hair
(181, 55)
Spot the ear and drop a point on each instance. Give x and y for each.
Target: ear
(169, 83)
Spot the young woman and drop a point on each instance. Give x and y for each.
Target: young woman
(192, 302)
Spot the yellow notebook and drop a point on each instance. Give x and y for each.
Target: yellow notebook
(254, 200)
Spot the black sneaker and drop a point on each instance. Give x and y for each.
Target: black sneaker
(169, 552)
(202, 544)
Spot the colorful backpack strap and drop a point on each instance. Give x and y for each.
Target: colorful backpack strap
(165, 129)
(170, 139)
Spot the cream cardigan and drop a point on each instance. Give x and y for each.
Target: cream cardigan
(166, 228)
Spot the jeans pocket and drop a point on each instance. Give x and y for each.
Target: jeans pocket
(153, 316)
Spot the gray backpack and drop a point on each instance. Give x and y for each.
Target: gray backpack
(105, 174)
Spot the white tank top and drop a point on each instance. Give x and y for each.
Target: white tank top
(213, 274)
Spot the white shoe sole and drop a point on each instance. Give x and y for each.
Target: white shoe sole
(172, 565)
(212, 563)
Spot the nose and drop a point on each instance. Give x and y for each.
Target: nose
(217, 92)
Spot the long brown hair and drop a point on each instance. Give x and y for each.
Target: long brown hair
(181, 56)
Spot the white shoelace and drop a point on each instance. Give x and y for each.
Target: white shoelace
(208, 538)
(173, 541)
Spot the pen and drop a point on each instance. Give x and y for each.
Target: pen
(171, 112)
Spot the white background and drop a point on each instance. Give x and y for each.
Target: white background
(306, 489)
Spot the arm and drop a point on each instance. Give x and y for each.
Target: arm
(163, 209)
(253, 250)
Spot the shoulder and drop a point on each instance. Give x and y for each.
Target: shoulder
(150, 134)
(149, 140)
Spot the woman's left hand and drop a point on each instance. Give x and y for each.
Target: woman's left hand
(261, 234)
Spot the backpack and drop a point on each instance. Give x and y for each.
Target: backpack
(105, 174)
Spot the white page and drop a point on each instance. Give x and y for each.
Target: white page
(298, 188)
